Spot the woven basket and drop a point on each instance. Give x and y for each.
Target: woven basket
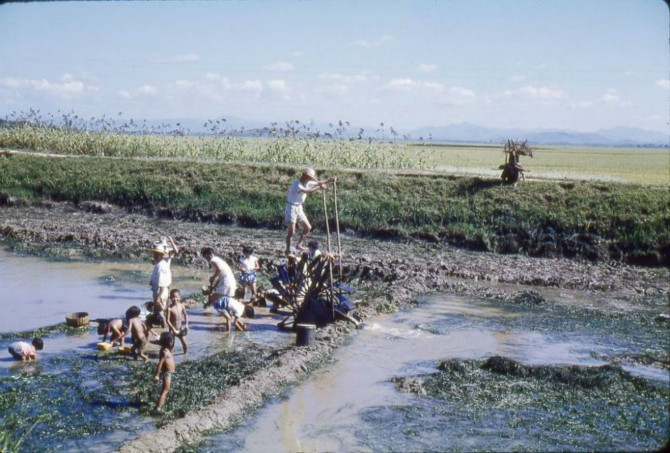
(77, 319)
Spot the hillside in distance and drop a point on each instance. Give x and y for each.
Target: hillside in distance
(617, 136)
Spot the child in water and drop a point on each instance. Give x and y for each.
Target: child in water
(249, 266)
(177, 317)
(138, 332)
(116, 329)
(165, 367)
(21, 350)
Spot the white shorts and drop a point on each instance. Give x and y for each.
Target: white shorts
(162, 300)
(294, 213)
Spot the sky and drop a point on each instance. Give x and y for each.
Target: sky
(581, 65)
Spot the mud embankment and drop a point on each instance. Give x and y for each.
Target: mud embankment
(390, 274)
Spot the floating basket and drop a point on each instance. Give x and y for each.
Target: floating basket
(124, 349)
(77, 319)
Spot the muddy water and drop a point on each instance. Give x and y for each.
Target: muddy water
(38, 293)
(351, 405)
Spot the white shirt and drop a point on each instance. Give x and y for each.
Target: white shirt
(248, 264)
(227, 284)
(295, 193)
(161, 277)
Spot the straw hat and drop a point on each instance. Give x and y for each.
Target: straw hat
(161, 247)
(310, 173)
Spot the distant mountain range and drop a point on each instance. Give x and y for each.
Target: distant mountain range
(616, 136)
(467, 133)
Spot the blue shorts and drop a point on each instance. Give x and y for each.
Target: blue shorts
(221, 304)
(248, 278)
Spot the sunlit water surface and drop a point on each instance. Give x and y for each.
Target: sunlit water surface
(350, 405)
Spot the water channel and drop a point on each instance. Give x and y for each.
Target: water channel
(352, 405)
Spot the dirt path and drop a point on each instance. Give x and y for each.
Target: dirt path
(393, 275)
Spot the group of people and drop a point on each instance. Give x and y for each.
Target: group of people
(166, 309)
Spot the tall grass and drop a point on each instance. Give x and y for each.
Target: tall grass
(291, 143)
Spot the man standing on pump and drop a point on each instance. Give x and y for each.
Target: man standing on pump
(296, 196)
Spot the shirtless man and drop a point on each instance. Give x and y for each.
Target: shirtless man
(138, 333)
(177, 313)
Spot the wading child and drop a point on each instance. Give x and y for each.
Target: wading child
(161, 277)
(165, 367)
(117, 331)
(21, 350)
(138, 332)
(232, 311)
(248, 266)
(177, 319)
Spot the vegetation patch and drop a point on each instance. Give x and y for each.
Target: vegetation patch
(94, 395)
(552, 406)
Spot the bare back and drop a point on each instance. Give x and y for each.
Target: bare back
(137, 329)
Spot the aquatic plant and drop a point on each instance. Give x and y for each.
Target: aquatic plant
(551, 406)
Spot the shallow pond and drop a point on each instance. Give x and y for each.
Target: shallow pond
(352, 405)
(38, 293)
(83, 398)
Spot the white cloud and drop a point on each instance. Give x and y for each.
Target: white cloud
(142, 91)
(248, 86)
(281, 66)
(345, 78)
(67, 87)
(424, 67)
(663, 84)
(435, 91)
(333, 89)
(298, 53)
(378, 42)
(279, 88)
(543, 93)
(409, 85)
(611, 97)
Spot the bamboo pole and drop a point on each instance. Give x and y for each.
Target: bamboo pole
(330, 266)
(325, 214)
(337, 227)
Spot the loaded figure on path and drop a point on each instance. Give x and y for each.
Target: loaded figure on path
(296, 196)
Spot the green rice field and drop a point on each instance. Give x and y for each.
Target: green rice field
(646, 166)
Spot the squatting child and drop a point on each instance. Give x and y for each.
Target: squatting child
(116, 329)
(21, 350)
(138, 333)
